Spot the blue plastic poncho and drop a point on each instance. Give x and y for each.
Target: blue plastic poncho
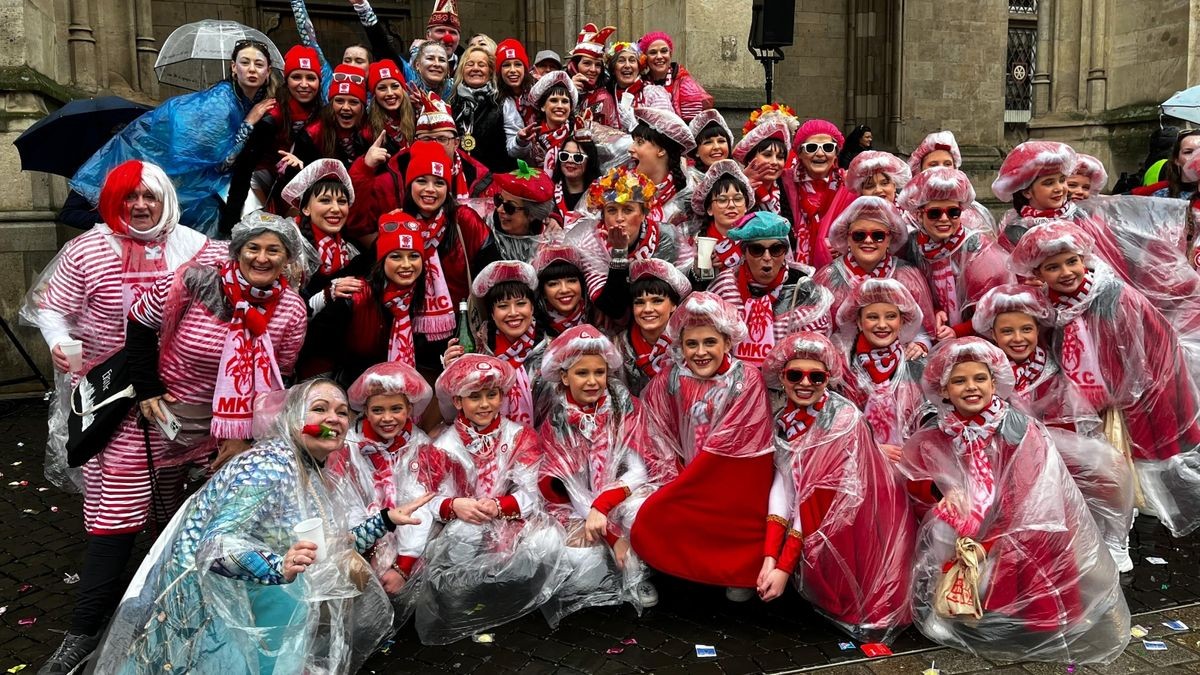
(194, 138)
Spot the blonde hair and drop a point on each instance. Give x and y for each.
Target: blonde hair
(462, 63)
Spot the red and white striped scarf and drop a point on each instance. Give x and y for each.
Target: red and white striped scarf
(592, 423)
(436, 320)
(559, 323)
(938, 254)
(548, 141)
(248, 366)
(970, 437)
(1029, 371)
(727, 254)
(664, 192)
(647, 243)
(481, 444)
(1064, 212)
(1079, 357)
(650, 359)
(815, 195)
(766, 195)
(795, 420)
(883, 269)
(382, 454)
(878, 362)
(398, 302)
(332, 250)
(516, 351)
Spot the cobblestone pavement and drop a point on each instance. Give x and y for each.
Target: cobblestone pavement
(42, 546)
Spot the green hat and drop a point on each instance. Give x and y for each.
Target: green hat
(761, 225)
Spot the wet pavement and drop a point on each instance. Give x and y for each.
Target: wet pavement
(41, 533)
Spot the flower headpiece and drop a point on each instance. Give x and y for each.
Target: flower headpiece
(780, 110)
(620, 186)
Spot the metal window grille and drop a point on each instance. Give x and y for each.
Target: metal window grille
(1022, 6)
(1018, 85)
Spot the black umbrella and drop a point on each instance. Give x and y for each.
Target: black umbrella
(63, 140)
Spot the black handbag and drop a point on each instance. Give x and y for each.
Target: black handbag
(99, 402)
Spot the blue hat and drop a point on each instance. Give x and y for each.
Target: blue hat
(761, 225)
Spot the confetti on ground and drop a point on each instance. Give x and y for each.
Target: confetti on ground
(484, 638)
(614, 650)
(20, 445)
(629, 641)
(1138, 631)
(24, 483)
(706, 651)
(1070, 667)
(17, 668)
(1175, 624)
(43, 489)
(931, 671)
(29, 511)
(1156, 561)
(14, 484)
(16, 464)
(3, 610)
(1154, 645)
(54, 509)
(28, 621)
(70, 578)
(25, 588)
(845, 646)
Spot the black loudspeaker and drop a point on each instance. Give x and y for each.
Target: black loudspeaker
(772, 24)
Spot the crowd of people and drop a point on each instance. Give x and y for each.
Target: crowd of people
(453, 335)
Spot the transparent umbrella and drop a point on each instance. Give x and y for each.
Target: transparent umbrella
(1184, 105)
(196, 55)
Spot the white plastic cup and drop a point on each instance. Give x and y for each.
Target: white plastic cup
(73, 350)
(704, 251)
(312, 530)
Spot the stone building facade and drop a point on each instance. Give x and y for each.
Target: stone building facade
(905, 67)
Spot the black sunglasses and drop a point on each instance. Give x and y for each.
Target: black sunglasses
(573, 157)
(811, 148)
(756, 250)
(814, 376)
(257, 44)
(508, 207)
(876, 236)
(936, 213)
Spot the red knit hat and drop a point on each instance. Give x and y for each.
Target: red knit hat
(444, 14)
(652, 37)
(427, 158)
(301, 58)
(526, 183)
(349, 81)
(383, 70)
(398, 232)
(816, 127)
(511, 49)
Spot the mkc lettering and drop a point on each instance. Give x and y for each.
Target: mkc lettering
(231, 404)
(755, 352)
(439, 302)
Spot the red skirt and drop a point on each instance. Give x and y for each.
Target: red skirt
(709, 524)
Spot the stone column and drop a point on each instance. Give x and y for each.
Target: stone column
(145, 48)
(1097, 77)
(81, 44)
(1043, 100)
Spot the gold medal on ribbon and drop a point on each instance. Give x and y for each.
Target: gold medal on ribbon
(468, 142)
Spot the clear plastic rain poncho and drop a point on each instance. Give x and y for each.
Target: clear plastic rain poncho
(1124, 358)
(840, 492)
(382, 478)
(210, 596)
(1144, 241)
(1102, 472)
(481, 576)
(595, 460)
(85, 293)
(840, 517)
(1008, 564)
